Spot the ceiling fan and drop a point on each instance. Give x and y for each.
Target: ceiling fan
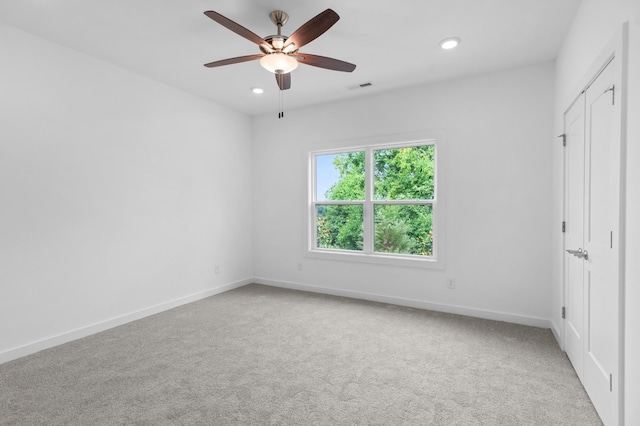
(280, 53)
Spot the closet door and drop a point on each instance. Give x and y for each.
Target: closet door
(592, 209)
(574, 229)
(601, 224)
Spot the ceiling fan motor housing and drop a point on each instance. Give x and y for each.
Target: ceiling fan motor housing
(276, 40)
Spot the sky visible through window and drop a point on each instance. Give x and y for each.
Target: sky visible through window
(326, 175)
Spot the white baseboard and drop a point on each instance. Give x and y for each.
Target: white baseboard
(413, 303)
(88, 330)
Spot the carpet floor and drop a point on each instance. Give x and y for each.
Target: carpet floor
(260, 355)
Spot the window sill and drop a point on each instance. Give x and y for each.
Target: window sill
(377, 259)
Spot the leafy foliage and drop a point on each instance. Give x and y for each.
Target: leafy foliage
(399, 174)
(391, 237)
(414, 220)
(404, 173)
(351, 184)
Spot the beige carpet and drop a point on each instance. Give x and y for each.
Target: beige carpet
(265, 356)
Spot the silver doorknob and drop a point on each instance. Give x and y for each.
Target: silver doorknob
(582, 254)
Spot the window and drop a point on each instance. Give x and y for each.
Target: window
(376, 203)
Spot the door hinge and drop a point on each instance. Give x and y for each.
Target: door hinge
(564, 226)
(564, 312)
(613, 94)
(564, 139)
(610, 382)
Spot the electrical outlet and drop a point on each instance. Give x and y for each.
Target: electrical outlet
(451, 283)
(299, 266)
(216, 269)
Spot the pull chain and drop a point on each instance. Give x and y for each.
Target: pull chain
(281, 104)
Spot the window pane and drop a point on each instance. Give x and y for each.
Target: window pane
(339, 227)
(405, 229)
(404, 173)
(340, 176)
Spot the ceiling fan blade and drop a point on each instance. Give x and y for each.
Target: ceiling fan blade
(233, 60)
(314, 28)
(324, 62)
(238, 29)
(284, 81)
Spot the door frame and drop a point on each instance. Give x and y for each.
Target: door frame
(616, 48)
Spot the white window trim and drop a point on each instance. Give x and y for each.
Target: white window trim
(369, 145)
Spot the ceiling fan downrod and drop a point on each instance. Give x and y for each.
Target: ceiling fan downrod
(279, 18)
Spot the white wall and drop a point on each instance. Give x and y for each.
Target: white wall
(595, 25)
(118, 195)
(499, 136)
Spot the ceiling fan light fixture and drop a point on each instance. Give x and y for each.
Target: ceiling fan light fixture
(278, 43)
(449, 43)
(278, 63)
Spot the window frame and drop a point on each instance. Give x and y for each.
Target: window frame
(368, 253)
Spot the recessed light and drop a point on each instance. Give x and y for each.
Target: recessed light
(449, 43)
(257, 90)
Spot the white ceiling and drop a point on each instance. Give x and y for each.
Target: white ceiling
(393, 43)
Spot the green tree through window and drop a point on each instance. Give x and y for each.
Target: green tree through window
(401, 201)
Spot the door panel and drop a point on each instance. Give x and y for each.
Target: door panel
(600, 132)
(601, 303)
(574, 214)
(601, 224)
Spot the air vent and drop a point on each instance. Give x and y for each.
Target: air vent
(360, 86)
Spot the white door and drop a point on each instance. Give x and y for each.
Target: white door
(601, 219)
(592, 257)
(574, 215)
